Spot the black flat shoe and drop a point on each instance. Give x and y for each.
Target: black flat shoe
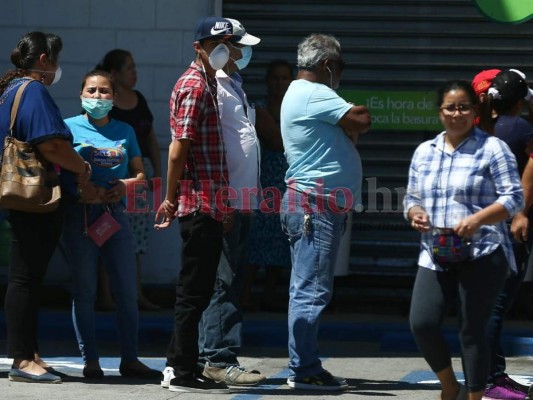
(137, 373)
(90, 373)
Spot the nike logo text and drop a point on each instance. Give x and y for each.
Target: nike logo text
(220, 28)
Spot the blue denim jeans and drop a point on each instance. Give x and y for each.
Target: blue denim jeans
(220, 330)
(314, 237)
(118, 257)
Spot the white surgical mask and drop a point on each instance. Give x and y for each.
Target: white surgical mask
(96, 108)
(219, 57)
(243, 62)
(57, 75)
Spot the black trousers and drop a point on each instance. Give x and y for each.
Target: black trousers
(476, 285)
(35, 237)
(201, 250)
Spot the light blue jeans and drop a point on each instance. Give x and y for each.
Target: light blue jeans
(314, 246)
(118, 257)
(220, 329)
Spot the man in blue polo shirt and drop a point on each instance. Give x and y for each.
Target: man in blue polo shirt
(319, 131)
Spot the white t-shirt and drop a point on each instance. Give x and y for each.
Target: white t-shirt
(240, 140)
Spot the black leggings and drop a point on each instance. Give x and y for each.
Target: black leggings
(35, 237)
(476, 285)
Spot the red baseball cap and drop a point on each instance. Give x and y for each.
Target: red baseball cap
(482, 81)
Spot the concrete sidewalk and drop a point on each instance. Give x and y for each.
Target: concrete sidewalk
(375, 353)
(368, 377)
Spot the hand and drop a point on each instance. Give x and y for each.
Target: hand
(85, 176)
(520, 227)
(164, 224)
(362, 114)
(165, 214)
(116, 192)
(467, 227)
(420, 221)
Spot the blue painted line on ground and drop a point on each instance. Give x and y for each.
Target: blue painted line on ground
(391, 337)
(429, 378)
(513, 346)
(424, 376)
(110, 365)
(248, 396)
(283, 374)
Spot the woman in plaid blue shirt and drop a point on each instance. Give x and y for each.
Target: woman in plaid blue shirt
(468, 182)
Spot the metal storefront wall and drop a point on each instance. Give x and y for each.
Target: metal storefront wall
(389, 45)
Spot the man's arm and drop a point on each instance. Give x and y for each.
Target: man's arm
(177, 157)
(356, 121)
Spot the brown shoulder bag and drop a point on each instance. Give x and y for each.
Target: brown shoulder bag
(27, 181)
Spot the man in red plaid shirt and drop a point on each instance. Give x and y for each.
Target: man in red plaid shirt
(197, 179)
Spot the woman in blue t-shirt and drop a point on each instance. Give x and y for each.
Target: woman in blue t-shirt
(35, 236)
(131, 107)
(112, 150)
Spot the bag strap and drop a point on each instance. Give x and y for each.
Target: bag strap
(16, 103)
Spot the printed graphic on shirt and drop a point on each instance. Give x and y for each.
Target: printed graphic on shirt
(107, 157)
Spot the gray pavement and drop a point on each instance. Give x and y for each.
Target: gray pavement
(375, 353)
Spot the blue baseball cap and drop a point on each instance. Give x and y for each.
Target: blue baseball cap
(214, 27)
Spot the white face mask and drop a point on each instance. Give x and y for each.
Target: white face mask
(219, 57)
(57, 75)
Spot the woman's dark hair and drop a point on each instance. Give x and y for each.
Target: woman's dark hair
(113, 60)
(279, 63)
(28, 50)
(486, 122)
(98, 72)
(457, 84)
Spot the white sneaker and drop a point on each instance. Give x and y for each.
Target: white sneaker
(168, 375)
